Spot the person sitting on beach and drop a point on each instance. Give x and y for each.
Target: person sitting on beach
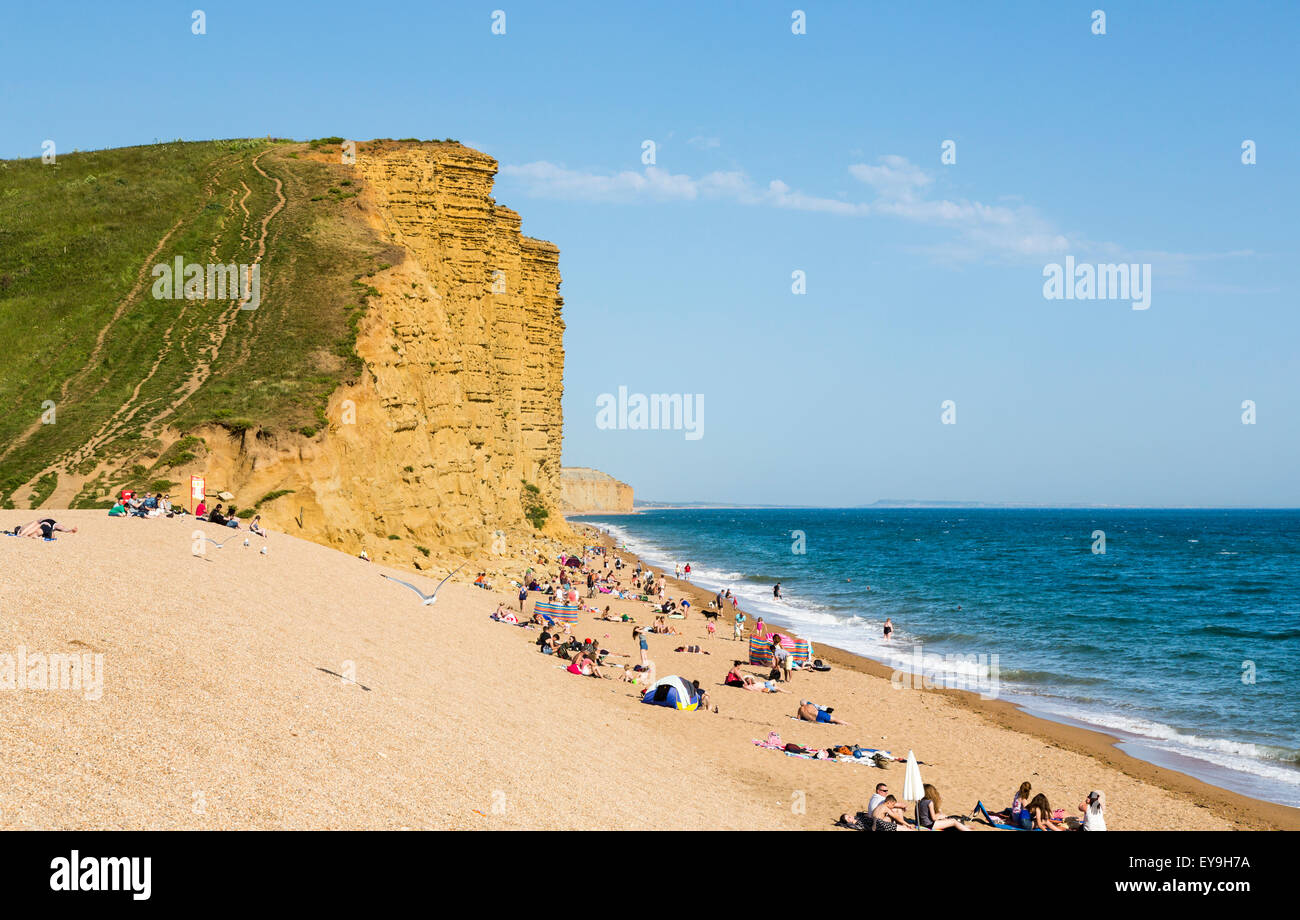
(811, 712)
(703, 696)
(215, 516)
(929, 816)
(1018, 813)
(1093, 808)
(118, 510)
(1040, 813)
(256, 527)
(44, 528)
(201, 512)
(585, 666)
(888, 816)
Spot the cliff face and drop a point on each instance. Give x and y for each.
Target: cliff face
(584, 490)
(460, 401)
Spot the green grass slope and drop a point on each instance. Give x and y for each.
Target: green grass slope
(80, 326)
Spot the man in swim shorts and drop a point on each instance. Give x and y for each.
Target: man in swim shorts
(44, 527)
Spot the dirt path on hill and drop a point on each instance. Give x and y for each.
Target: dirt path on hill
(203, 368)
(70, 484)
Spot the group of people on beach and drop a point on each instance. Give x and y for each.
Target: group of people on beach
(885, 812)
(600, 571)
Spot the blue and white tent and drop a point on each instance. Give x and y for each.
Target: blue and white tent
(672, 691)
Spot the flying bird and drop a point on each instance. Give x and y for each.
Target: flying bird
(222, 543)
(426, 599)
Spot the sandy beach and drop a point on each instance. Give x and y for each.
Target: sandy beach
(298, 689)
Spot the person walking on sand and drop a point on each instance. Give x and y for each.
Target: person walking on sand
(638, 633)
(738, 630)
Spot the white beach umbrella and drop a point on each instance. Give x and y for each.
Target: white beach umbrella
(913, 791)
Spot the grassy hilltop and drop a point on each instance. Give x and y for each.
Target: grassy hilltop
(131, 375)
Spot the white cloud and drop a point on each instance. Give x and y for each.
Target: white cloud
(1010, 229)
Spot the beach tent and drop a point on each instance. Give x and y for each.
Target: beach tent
(563, 613)
(671, 691)
(573, 562)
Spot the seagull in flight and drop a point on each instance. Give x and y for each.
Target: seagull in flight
(427, 599)
(222, 543)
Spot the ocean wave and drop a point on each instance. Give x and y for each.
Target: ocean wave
(1052, 678)
(1233, 632)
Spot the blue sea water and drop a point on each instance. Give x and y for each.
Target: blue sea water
(1150, 640)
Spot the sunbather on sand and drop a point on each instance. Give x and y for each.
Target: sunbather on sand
(811, 712)
(889, 816)
(748, 681)
(45, 527)
(1018, 813)
(1040, 811)
(929, 816)
(1093, 808)
(585, 666)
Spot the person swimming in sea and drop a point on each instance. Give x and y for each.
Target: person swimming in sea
(889, 626)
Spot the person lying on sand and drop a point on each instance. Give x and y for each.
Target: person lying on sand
(45, 527)
(584, 666)
(811, 712)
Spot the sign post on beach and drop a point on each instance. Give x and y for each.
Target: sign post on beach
(197, 487)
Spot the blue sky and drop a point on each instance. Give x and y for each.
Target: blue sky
(819, 152)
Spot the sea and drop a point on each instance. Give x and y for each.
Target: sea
(1177, 631)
